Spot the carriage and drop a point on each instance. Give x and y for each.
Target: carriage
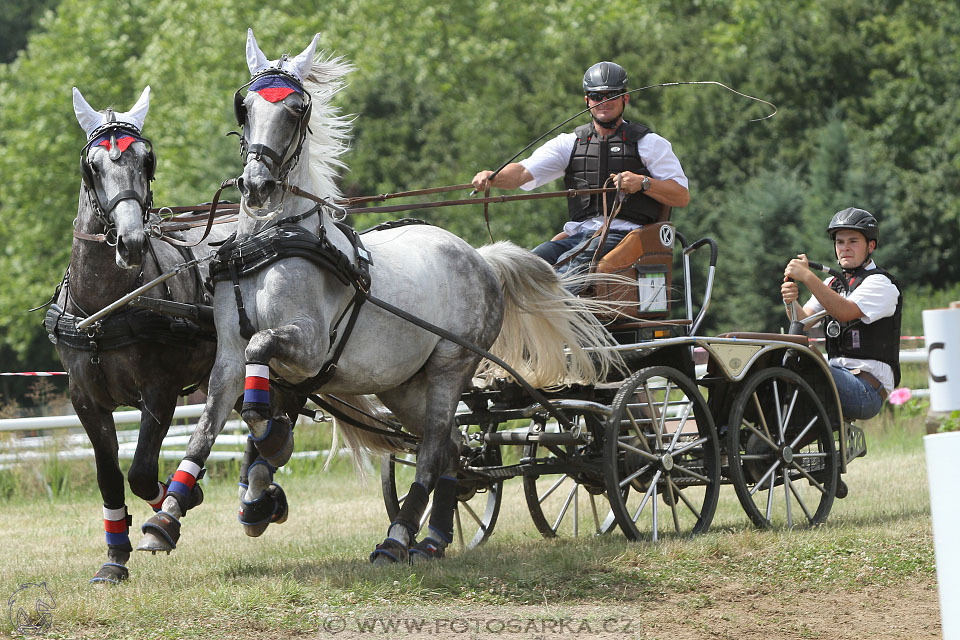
(648, 449)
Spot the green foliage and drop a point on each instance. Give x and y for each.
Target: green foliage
(868, 115)
(17, 19)
(950, 423)
(925, 296)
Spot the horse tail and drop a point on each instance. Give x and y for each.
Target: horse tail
(360, 410)
(545, 327)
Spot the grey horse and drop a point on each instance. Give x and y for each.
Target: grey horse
(307, 321)
(133, 357)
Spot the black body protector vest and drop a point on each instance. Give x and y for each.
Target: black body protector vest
(593, 159)
(878, 340)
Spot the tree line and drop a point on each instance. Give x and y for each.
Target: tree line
(866, 92)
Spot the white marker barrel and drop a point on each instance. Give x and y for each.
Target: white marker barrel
(943, 451)
(942, 330)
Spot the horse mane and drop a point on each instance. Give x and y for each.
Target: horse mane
(329, 131)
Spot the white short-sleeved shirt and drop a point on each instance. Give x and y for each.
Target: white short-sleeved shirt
(877, 298)
(550, 161)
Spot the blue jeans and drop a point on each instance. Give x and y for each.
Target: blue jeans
(555, 250)
(858, 399)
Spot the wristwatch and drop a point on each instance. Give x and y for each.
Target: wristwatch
(645, 184)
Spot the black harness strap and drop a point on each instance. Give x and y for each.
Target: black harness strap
(246, 327)
(287, 240)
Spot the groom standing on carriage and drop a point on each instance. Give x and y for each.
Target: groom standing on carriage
(608, 149)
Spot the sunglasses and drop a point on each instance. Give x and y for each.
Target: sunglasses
(596, 96)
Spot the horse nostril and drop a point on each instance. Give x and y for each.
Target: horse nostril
(242, 186)
(122, 249)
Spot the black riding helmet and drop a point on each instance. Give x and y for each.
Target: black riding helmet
(858, 220)
(605, 76)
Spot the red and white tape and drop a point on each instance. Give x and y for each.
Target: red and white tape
(35, 373)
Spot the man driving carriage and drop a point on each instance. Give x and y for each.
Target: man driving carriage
(863, 325)
(608, 148)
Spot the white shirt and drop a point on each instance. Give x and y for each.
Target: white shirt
(550, 161)
(877, 298)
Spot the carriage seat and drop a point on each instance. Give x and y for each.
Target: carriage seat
(645, 257)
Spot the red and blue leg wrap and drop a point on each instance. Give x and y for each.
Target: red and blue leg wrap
(185, 478)
(116, 523)
(256, 390)
(157, 503)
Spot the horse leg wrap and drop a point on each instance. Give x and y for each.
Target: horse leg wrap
(256, 393)
(110, 573)
(412, 509)
(444, 505)
(183, 485)
(157, 503)
(164, 526)
(116, 523)
(276, 445)
(441, 522)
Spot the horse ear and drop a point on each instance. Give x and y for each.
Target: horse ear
(256, 61)
(138, 113)
(303, 62)
(88, 117)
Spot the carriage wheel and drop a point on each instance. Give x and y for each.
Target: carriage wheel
(661, 456)
(478, 496)
(780, 440)
(573, 501)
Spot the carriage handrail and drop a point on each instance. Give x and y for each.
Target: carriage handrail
(813, 319)
(711, 272)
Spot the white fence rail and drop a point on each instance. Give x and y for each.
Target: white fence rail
(76, 445)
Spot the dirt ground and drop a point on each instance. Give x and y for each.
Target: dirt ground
(727, 612)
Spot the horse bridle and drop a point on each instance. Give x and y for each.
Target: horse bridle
(283, 162)
(101, 210)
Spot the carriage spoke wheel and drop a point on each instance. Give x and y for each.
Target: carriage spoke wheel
(661, 456)
(572, 502)
(781, 451)
(478, 498)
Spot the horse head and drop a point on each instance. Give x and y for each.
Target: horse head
(117, 165)
(274, 115)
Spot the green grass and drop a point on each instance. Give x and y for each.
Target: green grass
(313, 569)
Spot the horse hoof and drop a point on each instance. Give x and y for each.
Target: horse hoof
(426, 550)
(390, 551)
(268, 509)
(110, 573)
(160, 533)
(255, 530)
(282, 510)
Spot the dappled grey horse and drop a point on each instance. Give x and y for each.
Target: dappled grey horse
(295, 307)
(132, 357)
